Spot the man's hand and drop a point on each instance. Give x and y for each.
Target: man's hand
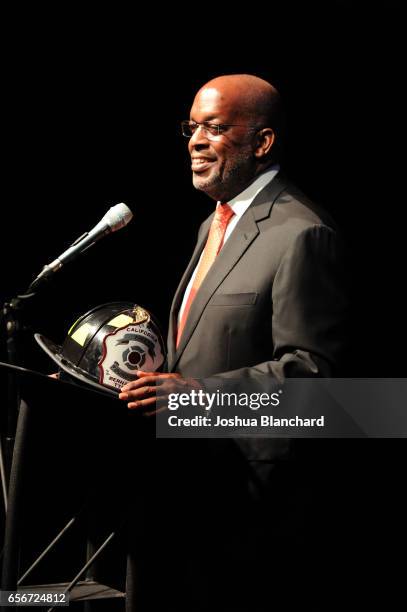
(149, 393)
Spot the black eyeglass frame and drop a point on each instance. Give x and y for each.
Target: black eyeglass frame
(211, 129)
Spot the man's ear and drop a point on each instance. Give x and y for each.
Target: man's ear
(264, 141)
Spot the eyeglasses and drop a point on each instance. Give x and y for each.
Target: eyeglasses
(211, 130)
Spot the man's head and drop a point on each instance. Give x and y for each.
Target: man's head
(226, 160)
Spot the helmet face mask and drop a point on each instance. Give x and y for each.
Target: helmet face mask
(106, 346)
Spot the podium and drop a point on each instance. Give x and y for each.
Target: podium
(75, 454)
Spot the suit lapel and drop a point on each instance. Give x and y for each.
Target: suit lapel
(243, 235)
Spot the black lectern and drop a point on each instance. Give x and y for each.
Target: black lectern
(75, 454)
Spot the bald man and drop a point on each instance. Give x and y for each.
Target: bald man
(272, 301)
(270, 304)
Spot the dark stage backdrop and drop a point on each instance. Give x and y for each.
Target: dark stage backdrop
(93, 119)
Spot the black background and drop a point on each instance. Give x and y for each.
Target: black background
(92, 118)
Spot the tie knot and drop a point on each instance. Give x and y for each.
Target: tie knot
(223, 214)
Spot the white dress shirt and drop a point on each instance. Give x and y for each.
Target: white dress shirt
(239, 205)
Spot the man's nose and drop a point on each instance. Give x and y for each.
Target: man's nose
(198, 140)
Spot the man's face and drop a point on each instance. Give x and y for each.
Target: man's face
(222, 165)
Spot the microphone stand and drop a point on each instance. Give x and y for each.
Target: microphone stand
(13, 318)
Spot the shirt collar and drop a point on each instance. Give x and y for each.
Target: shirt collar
(241, 202)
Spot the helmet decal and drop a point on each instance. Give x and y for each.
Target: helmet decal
(121, 320)
(80, 335)
(126, 350)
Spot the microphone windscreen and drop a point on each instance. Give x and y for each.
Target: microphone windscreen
(118, 216)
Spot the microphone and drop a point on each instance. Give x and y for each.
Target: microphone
(116, 217)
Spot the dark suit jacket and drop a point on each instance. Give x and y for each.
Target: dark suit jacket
(273, 301)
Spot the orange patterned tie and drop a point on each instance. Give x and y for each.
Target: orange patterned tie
(216, 236)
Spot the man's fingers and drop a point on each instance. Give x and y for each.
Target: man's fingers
(138, 393)
(150, 390)
(143, 403)
(142, 374)
(137, 384)
(148, 378)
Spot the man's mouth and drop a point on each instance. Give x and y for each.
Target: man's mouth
(200, 164)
